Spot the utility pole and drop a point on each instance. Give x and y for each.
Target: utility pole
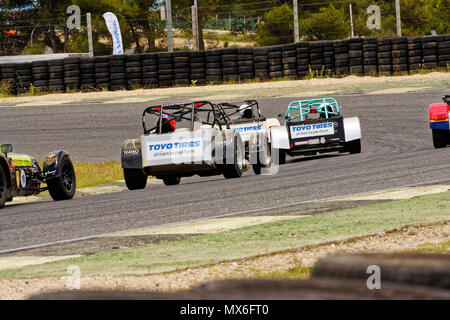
(296, 33)
(169, 26)
(89, 30)
(195, 34)
(351, 21)
(399, 22)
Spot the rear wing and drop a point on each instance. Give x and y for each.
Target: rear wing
(325, 106)
(183, 111)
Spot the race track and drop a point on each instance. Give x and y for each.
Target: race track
(396, 151)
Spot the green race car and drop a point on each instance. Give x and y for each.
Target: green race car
(21, 175)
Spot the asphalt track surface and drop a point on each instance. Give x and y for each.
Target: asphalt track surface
(396, 151)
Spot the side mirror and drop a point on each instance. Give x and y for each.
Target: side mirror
(6, 148)
(281, 115)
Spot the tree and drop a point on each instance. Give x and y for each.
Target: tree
(42, 16)
(277, 27)
(328, 24)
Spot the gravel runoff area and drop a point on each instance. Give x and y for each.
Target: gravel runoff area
(268, 88)
(401, 239)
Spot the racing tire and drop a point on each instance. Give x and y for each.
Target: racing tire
(354, 146)
(257, 167)
(234, 170)
(440, 138)
(281, 156)
(3, 187)
(135, 179)
(63, 187)
(171, 181)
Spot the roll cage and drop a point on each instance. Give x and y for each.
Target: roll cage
(326, 107)
(232, 114)
(184, 111)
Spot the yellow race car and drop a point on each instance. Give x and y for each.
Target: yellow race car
(21, 175)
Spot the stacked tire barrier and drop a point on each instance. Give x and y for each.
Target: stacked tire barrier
(40, 75)
(261, 62)
(316, 57)
(415, 53)
(444, 51)
(303, 62)
(133, 68)
(150, 70)
(399, 55)
(370, 52)
(229, 65)
(328, 56)
(384, 56)
(246, 69)
(430, 50)
(213, 60)
(165, 69)
(117, 70)
(359, 56)
(72, 73)
(355, 56)
(8, 76)
(182, 68)
(341, 57)
(197, 64)
(102, 72)
(289, 61)
(275, 66)
(23, 77)
(56, 75)
(87, 73)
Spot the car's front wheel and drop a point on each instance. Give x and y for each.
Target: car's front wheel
(63, 187)
(135, 179)
(440, 138)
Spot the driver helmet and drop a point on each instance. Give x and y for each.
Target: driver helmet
(246, 111)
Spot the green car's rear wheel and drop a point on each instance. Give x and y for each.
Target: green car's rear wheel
(63, 187)
(3, 187)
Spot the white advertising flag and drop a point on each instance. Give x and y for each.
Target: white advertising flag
(113, 27)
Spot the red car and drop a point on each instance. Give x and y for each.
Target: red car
(439, 123)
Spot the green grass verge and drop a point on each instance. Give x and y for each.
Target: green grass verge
(90, 174)
(249, 241)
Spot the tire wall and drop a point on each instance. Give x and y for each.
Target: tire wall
(358, 56)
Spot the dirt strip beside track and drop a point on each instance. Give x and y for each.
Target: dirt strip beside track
(402, 239)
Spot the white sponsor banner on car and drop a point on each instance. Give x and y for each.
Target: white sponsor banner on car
(175, 149)
(312, 130)
(246, 130)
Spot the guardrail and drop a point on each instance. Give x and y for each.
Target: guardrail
(360, 56)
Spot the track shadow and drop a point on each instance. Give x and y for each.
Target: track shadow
(309, 158)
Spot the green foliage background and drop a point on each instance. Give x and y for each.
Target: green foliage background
(266, 21)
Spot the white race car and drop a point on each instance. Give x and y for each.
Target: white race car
(182, 140)
(316, 126)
